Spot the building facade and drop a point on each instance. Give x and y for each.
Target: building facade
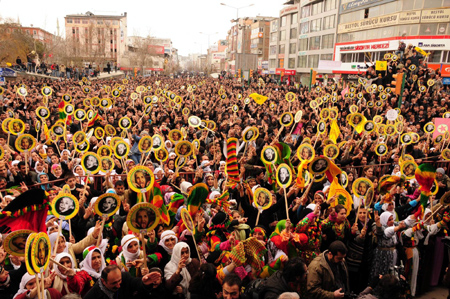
(96, 39)
(369, 29)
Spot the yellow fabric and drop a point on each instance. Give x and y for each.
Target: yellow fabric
(259, 99)
(360, 127)
(343, 197)
(381, 65)
(334, 131)
(421, 51)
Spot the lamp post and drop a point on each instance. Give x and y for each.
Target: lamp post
(237, 26)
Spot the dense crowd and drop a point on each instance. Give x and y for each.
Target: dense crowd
(305, 243)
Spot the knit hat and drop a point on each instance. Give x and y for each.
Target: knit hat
(219, 218)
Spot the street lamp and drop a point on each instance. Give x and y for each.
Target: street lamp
(237, 9)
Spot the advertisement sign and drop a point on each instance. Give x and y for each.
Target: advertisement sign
(357, 4)
(156, 49)
(435, 16)
(279, 71)
(409, 17)
(289, 9)
(446, 81)
(290, 72)
(445, 70)
(370, 23)
(7, 72)
(329, 65)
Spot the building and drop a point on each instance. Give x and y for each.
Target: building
(96, 39)
(259, 41)
(39, 34)
(303, 35)
(369, 29)
(217, 55)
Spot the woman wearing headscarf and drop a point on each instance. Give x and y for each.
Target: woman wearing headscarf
(73, 249)
(385, 255)
(60, 281)
(42, 178)
(180, 269)
(159, 254)
(79, 173)
(91, 269)
(131, 257)
(28, 289)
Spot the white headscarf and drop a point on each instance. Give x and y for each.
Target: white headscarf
(58, 259)
(86, 264)
(384, 218)
(172, 266)
(23, 282)
(165, 235)
(127, 240)
(53, 237)
(103, 245)
(185, 186)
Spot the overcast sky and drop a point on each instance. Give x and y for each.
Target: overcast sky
(179, 20)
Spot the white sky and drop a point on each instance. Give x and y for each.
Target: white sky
(179, 20)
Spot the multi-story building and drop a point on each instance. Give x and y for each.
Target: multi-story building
(96, 39)
(39, 34)
(259, 41)
(369, 29)
(239, 54)
(216, 56)
(303, 35)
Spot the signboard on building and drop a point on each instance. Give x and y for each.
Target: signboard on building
(358, 4)
(2, 80)
(446, 81)
(370, 23)
(435, 16)
(445, 70)
(7, 72)
(156, 49)
(329, 65)
(289, 9)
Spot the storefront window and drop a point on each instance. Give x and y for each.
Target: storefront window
(435, 56)
(428, 29)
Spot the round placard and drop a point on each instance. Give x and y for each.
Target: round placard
(25, 142)
(325, 113)
(16, 241)
(40, 252)
(105, 103)
(121, 149)
(16, 126)
(406, 138)
(446, 154)
(99, 133)
(90, 162)
(183, 148)
(140, 179)
(313, 104)
(356, 119)
(343, 179)
(321, 127)
(262, 198)
(175, 136)
(381, 149)
(290, 96)
(305, 152)
(158, 142)
(408, 169)
(331, 151)
(319, 165)
(22, 91)
(284, 175)
(115, 93)
(187, 220)
(248, 134)
(180, 161)
(110, 130)
(125, 123)
(82, 147)
(79, 137)
(28, 253)
(106, 164)
(143, 217)
(65, 205)
(58, 129)
(5, 124)
(80, 114)
(415, 137)
(438, 139)
(42, 112)
(107, 204)
(434, 188)
(104, 151)
(145, 144)
(361, 186)
(298, 116)
(161, 155)
(194, 121)
(369, 126)
(429, 128)
(269, 155)
(390, 130)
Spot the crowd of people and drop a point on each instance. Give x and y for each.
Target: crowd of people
(299, 241)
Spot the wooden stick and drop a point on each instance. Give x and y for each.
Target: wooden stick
(143, 250)
(196, 247)
(26, 162)
(59, 264)
(59, 235)
(70, 229)
(38, 285)
(43, 285)
(257, 217)
(286, 202)
(100, 235)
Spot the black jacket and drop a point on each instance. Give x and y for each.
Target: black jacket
(131, 287)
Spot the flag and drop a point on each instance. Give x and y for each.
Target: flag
(283, 154)
(380, 65)
(259, 99)
(425, 176)
(232, 163)
(176, 201)
(157, 200)
(61, 106)
(94, 119)
(46, 133)
(221, 201)
(26, 211)
(343, 197)
(197, 197)
(332, 171)
(334, 131)
(421, 51)
(360, 127)
(442, 126)
(344, 91)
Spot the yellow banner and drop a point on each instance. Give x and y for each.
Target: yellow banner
(421, 51)
(259, 99)
(381, 65)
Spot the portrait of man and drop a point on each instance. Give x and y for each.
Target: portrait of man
(125, 122)
(47, 90)
(381, 149)
(331, 152)
(406, 138)
(321, 126)
(305, 152)
(145, 143)
(104, 103)
(65, 206)
(19, 242)
(69, 109)
(184, 148)
(107, 205)
(58, 130)
(80, 114)
(269, 155)
(82, 146)
(17, 126)
(343, 179)
(362, 188)
(121, 149)
(43, 113)
(283, 175)
(262, 198)
(26, 143)
(106, 164)
(287, 118)
(249, 134)
(194, 121)
(140, 179)
(320, 165)
(368, 126)
(115, 93)
(157, 142)
(91, 163)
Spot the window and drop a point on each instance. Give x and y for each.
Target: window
(281, 63)
(100, 22)
(272, 50)
(283, 21)
(115, 22)
(313, 61)
(330, 5)
(303, 45)
(327, 41)
(73, 30)
(293, 33)
(304, 28)
(432, 4)
(326, 57)
(301, 62)
(346, 57)
(274, 25)
(316, 8)
(282, 35)
(292, 48)
(435, 56)
(294, 18)
(306, 11)
(314, 43)
(328, 22)
(84, 22)
(272, 63)
(281, 49)
(34, 32)
(273, 37)
(315, 25)
(291, 63)
(69, 21)
(442, 28)
(77, 21)
(428, 29)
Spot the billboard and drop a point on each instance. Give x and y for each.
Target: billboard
(156, 49)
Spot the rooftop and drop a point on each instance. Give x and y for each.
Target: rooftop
(91, 15)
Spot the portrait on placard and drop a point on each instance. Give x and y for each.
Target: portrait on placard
(80, 114)
(269, 155)
(381, 149)
(107, 204)
(408, 169)
(158, 142)
(106, 164)
(325, 113)
(16, 126)
(42, 112)
(343, 179)
(331, 151)
(390, 130)
(125, 123)
(66, 205)
(25, 142)
(175, 135)
(143, 216)
(248, 134)
(286, 119)
(161, 154)
(121, 149)
(446, 154)
(90, 162)
(262, 198)
(183, 148)
(187, 220)
(306, 152)
(369, 126)
(429, 128)
(140, 178)
(82, 147)
(290, 96)
(110, 130)
(145, 144)
(15, 242)
(321, 127)
(194, 121)
(319, 165)
(41, 250)
(361, 186)
(99, 133)
(284, 175)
